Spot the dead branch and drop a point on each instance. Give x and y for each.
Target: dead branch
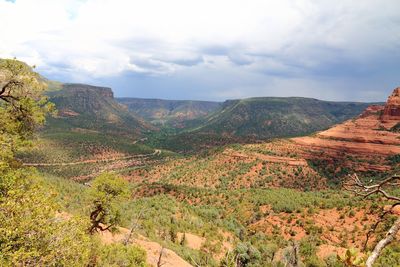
(135, 224)
(356, 186)
(380, 219)
(159, 262)
(390, 236)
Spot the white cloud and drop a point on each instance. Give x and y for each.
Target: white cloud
(104, 38)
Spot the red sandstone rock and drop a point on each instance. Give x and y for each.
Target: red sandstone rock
(392, 107)
(367, 138)
(372, 110)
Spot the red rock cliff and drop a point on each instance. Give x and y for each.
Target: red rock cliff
(392, 107)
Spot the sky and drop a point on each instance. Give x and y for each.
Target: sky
(211, 49)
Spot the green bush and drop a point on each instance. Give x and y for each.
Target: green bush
(119, 255)
(31, 231)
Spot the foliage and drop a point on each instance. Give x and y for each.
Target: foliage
(395, 159)
(229, 260)
(35, 232)
(395, 128)
(176, 113)
(93, 108)
(390, 256)
(22, 107)
(107, 190)
(247, 254)
(32, 233)
(352, 258)
(116, 255)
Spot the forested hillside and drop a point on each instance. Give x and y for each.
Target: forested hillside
(254, 119)
(169, 112)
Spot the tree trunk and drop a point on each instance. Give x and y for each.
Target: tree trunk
(391, 234)
(159, 262)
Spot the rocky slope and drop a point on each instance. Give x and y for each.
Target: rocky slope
(366, 144)
(93, 108)
(370, 138)
(89, 126)
(391, 111)
(153, 250)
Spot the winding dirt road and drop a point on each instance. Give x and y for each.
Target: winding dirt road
(156, 152)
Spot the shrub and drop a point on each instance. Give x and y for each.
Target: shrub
(107, 190)
(31, 232)
(116, 255)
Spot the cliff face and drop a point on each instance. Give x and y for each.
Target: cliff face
(87, 89)
(83, 98)
(368, 138)
(94, 108)
(392, 107)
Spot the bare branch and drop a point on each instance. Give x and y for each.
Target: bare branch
(135, 224)
(391, 234)
(359, 188)
(373, 228)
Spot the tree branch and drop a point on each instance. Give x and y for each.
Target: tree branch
(9, 85)
(357, 187)
(360, 189)
(391, 234)
(373, 228)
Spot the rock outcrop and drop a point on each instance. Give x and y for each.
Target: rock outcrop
(392, 107)
(85, 88)
(367, 138)
(372, 110)
(94, 108)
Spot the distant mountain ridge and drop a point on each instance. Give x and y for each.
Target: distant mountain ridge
(202, 124)
(261, 118)
(173, 112)
(267, 117)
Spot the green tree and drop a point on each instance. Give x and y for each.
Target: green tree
(22, 107)
(32, 233)
(107, 191)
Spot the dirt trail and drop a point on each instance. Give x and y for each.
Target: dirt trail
(156, 152)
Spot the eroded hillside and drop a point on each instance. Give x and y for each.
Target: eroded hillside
(174, 113)
(368, 144)
(259, 119)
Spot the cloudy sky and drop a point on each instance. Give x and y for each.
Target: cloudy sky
(211, 49)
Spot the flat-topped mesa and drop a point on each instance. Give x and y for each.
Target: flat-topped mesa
(392, 107)
(103, 91)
